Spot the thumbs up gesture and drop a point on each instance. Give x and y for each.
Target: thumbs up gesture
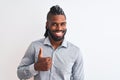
(43, 63)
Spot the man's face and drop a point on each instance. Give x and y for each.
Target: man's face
(56, 26)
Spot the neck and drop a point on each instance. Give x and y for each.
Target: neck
(55, 44)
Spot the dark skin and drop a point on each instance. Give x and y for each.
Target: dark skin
(43, 63)
(55, 23)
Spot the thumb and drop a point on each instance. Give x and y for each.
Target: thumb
(40, 53)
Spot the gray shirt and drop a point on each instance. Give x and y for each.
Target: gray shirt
(67, 63)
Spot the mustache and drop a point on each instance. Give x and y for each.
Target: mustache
(59, 31)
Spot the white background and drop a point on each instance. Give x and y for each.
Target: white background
(93, 25)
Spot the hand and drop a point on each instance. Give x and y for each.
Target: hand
(43, 63)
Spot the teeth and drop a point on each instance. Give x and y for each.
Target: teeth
(58, 33)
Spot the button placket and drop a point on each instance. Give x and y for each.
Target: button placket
(52, 67)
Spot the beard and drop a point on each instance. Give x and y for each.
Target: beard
(56, 38)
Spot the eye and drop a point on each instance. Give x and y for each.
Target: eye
(63, 24)
(54, 24)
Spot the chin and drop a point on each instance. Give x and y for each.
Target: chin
(58, 38)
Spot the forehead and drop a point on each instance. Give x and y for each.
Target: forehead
(57, 18)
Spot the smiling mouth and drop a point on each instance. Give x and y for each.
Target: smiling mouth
(57, 35)
(60, 33)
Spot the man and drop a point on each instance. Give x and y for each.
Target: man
(52, 58)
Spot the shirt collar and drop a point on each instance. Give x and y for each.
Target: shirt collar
(47, 42)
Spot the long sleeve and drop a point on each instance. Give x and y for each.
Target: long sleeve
(77, 70)
(26, 68)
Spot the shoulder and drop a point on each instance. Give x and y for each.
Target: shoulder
(38, 42)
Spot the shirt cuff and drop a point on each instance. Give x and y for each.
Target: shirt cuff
(32, 70)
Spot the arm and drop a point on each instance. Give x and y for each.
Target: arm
(77, 69)
(26, 68)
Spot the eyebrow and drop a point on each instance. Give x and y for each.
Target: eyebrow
(60, 22)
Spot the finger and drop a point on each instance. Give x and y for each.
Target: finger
(40, 53)
(45, 59)
(49, 59)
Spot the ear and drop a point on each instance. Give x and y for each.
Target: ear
(47, 25)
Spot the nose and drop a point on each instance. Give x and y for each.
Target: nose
(59, 27)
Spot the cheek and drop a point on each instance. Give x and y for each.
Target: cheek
(52, 28)
(65, 28)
